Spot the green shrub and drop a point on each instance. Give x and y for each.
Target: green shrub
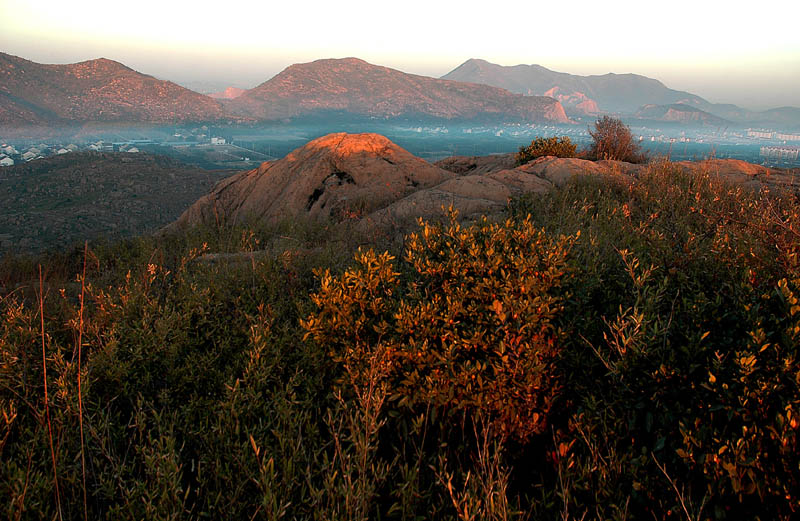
(546, 146)
(464, 323)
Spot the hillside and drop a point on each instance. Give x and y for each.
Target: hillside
(98, 90)
(368, 179)
(611, 92)
(355, 87)
(67, 198)
(680, 113)
(228, 93)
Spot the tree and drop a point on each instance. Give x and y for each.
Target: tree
(613, 140)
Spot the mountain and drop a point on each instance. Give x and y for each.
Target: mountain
(355, 87)
(229, 93)
(787, 118)
(99, 90)
(64, 199)
(623, 93)
(611, 92)
(680, 113)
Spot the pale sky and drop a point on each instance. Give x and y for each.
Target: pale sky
(731, 51)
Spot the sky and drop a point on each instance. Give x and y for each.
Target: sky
(741, 52)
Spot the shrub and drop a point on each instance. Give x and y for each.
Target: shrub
(613, 140)
(546, 146)
(464, 323)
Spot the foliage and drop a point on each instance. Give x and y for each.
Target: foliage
(613, 140)
(685, 319)
(466, 324)
(633, 345)
(546, 146)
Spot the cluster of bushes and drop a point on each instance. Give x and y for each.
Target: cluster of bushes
(611, 139)
(546, 146)
(609, 350)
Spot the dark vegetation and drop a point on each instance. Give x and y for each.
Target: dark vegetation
(610, 350)
(611, 139)
(546, 146)
(57, 201)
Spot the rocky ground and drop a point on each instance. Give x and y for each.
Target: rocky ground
(369, 178)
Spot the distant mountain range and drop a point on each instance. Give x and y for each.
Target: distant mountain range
(616, 93)
(356, 87)
(611, 92)
(103, 91)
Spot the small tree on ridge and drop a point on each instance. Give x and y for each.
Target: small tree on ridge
(613, 140)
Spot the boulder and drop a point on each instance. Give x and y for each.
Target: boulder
(329, 176)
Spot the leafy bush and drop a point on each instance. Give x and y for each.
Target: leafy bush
(679, 369)
(613, 140)
(464, 324)
(546, 146)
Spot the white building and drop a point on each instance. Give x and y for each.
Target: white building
(6, 161)
(788, 137)
(760, 134)
(27, 156)
(783, 152)
(217, 140)
(62, 151)
(132, 150)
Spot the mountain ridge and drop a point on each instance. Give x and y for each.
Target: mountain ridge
(612, 92)
(357, 87)
(617, 93)
(99, 90)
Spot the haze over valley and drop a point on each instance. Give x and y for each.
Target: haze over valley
(478, 107)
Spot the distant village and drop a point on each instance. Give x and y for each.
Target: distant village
(205, 146)
(191, 145)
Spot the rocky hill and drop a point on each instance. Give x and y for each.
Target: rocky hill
(611, 92)
(99, 90)
(368, 178)
(574, 102)
(65, 199)
(355, 87)
(680, 113)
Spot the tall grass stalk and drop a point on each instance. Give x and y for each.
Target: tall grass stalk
(80, 393)
(46, 404)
